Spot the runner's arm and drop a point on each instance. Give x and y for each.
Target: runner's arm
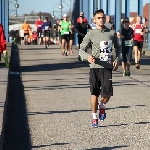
(42, 26)
(77, 30)
(84, 46)
(36, 23)
(114, 38)
(50, 25)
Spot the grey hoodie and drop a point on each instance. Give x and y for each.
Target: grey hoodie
(101, 41)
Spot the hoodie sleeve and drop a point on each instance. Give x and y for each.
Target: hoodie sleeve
(84, 46)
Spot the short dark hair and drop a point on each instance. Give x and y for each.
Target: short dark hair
(125, 18)
(99, 11)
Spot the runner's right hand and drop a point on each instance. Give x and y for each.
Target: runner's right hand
(91, 59)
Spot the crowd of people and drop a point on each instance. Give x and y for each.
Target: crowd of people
(99, 37)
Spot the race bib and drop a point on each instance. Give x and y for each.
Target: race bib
(138, 30)
(38, 25)
(46, 27)
(128, 43)
(106, 50)
(66, 32)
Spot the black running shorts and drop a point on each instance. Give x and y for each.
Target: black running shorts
(101, 82)
(139, 44)
(26, 34)
(65, 37)
(71, 36)
(46, 33)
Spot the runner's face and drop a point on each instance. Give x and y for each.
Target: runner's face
(99, 19)
(138, 19)
(126, 23)
(65, 18)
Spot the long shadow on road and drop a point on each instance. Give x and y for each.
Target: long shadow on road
(51, 67)
(16, 129)
(108, 148)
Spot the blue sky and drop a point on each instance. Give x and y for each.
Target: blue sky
(26, 6)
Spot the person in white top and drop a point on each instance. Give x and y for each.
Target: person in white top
(93, 24)
(21, 34)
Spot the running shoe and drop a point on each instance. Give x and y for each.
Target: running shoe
(102, 114)
(137, 65)
(66, 53)
(128, 73)
(124, 74)
(94, 123)
(80, 58)
(71, 51)
(63, 52)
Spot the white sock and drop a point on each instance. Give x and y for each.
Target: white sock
(101, 105)
(94, 115)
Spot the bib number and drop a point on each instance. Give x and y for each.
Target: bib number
(39, 26)
(66, 32)
(46, 27)
(106, 50)
(138, 30)
(128, 43)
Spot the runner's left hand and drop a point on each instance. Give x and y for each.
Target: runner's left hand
(115, 65)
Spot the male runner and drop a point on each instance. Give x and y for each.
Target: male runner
(139, 31)
(126, 34)
(101, 64)
(81, 29)
(38, 25)
(84, 19)
(65, 29)
(46, 27)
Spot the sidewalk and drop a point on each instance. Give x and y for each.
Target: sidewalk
(57, 98)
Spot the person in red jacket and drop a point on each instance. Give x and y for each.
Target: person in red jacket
(139, 30)
(3, 45)
(84, 19)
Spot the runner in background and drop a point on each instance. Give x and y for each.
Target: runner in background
(26, 28)
(38, 25)
(46, 28)
(65, 29)
(93, 24)
(109, 23)
(139, 31)
(84, 19)
(126, 35)
(21, 34)
(81, 29)
(71, 38)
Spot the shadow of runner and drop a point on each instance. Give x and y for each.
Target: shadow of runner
(16, 129)
(56, 66)
(43, 146)
(109, 148)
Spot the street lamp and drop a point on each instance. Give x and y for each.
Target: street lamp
(16, 6)
(60, 7)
